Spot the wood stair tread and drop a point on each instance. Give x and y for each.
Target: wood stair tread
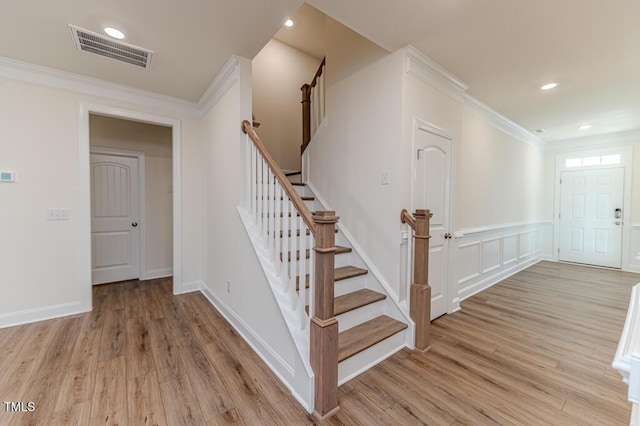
(341, 273)
(365, 335)
(339, 250)
(355, 300)
(305, 198)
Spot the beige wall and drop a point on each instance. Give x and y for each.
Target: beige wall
(499, 179)
(279, 71)
(361, 139)
(40, 261)
(155, 142)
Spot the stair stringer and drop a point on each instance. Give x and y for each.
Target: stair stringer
(391, 307)
(301, 382)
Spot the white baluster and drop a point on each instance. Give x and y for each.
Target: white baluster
(279, 199)
(303, 273)
(271, 192)
(293, 263)
(312, 275)
(286, 242)
(260, 213)
(265, 194)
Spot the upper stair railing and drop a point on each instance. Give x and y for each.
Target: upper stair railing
(312, 106)
(420, 293)
(289, 231)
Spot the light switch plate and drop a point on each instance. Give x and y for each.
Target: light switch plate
(57, 214)
(386, 177)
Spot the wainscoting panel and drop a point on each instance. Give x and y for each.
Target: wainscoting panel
(484, 256)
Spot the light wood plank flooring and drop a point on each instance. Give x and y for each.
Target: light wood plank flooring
(535, 349)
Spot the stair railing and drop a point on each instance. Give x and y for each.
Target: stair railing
(312, 106)
(289, 231)
(420, 293)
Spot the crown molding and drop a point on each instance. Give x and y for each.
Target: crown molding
(223, 81)
(615, 138)
(23, 72)
(425, 69)
(500, 122)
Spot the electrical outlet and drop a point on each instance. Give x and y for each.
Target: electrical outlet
(228, 286)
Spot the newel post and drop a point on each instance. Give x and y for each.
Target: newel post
(420, 303)
(324, 325)
(306, 116)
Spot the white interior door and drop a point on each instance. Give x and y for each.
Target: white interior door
(115, 240)
(431, 187)
(591, 203)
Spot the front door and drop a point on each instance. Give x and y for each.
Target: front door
(591, 217)
(431, 190)
(115, 240)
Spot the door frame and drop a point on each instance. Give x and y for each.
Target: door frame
(453, 301)
(626, 162)
(142, 225)
(84, 207)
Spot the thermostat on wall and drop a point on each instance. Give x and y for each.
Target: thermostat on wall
(7, 176)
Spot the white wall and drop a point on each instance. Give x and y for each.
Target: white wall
(155, 142)
(279, 71)
(233, 278)
(40, 272)
(360, 140)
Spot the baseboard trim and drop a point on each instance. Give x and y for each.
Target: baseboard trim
(190, 287)
(158, 273)
(284, 371)
(495, 278)
(40, 314)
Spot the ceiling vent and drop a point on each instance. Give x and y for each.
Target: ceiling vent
(91, 42)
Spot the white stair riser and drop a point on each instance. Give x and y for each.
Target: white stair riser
(359, 363)
(350, 285)
(361, 315)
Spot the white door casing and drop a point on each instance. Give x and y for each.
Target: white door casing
(432, 190)
(590, 232)
(115, 218)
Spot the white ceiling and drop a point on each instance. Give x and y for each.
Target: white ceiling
(504, 50)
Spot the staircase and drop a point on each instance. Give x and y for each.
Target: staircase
(342, 316)
(359, 309)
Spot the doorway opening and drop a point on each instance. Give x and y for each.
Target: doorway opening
(131, 215)
(593, 202)
(87, 113)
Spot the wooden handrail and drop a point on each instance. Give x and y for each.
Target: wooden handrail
(420, 294)
(279, 174)
(306, 106)
(318, 73)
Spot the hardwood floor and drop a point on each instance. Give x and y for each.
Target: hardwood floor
(535, 349)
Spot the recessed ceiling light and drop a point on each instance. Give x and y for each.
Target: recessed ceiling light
(114, 33)
(585, 127)
(548, 86)
(289, 23)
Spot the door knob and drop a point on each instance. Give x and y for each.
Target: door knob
(617, 222)
(134, 224)
(447, 236)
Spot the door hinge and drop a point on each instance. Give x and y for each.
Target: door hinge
(558, 250)
(559, 215)
(418, 153)
(560, 181)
